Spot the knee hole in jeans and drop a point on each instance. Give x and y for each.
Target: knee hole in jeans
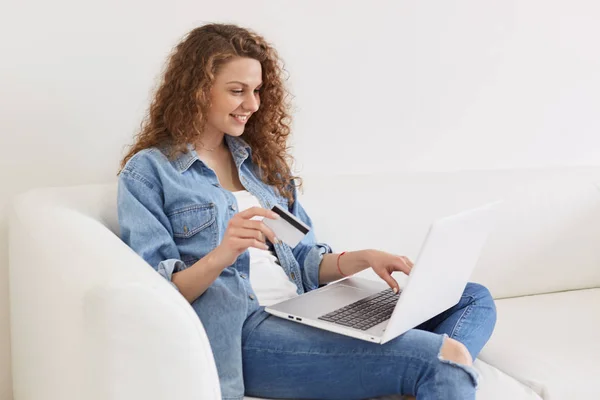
(455, 351)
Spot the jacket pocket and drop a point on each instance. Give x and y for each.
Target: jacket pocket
(188, 221)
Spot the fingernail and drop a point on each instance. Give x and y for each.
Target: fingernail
(277, 241)
(276, 216)
(396, 290)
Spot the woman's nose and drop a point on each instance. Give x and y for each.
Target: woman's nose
(251, 103)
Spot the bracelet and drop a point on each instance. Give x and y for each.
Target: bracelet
(338, 264)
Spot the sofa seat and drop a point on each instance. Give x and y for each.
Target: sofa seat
(550, 342)
(493, 385)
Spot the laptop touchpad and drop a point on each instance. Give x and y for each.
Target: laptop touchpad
(324, 301)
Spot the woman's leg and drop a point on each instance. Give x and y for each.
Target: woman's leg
(283, 359)
(470, 322)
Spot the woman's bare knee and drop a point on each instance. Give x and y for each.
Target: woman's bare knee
(453, 350)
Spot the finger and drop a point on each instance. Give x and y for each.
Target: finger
(390, 281)
(261, 227)
(245, 243)
(403, 264)
(258, 211)
(244, 233)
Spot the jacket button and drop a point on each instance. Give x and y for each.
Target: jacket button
(251, 297)
(242, 276)
(233, 207)
(293, 275)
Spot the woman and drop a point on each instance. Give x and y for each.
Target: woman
(209, 163)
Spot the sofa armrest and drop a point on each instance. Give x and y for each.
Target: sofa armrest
(140, 345)
(90, 319)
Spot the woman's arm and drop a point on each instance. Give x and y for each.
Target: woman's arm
(241, 233)
(319, 263)
(146, 229)
(351, 263)
(384, 264)
(193, 281)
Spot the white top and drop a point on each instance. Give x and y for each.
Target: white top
(268, 279)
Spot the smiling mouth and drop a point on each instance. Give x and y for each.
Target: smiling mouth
(240, 118)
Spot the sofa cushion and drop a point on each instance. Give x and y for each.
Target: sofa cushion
(496, 385)
(550, 343)
(493, 385)
(550, 218)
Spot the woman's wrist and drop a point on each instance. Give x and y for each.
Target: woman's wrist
(350, 263)
(357, 263)
(217, 261)
(192, 282)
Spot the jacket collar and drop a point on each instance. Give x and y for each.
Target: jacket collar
(239, 148)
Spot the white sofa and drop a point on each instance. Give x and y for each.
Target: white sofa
(91, 320)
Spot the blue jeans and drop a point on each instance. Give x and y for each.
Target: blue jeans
(283, 359)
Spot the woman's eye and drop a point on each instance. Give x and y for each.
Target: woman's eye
(241, 91)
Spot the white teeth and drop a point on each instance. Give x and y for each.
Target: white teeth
(243, 118)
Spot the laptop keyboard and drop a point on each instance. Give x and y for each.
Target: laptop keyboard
(366, 312)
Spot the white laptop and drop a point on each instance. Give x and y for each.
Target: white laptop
(369, 310)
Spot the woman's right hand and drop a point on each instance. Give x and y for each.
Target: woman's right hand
(243, 232)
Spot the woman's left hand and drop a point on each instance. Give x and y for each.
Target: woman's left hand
(385, 263)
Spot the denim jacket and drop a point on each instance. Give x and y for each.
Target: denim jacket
(172, 213)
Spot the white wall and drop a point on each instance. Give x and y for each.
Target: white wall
(379, 85)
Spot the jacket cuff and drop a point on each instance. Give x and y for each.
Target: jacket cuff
(166, 268)
(312, 264)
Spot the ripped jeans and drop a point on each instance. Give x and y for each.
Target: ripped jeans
(286, 360)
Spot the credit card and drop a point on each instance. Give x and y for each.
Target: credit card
(288, 228)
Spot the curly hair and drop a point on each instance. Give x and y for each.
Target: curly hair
(178, 112)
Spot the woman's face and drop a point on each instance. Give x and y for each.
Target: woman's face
(234, 96)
